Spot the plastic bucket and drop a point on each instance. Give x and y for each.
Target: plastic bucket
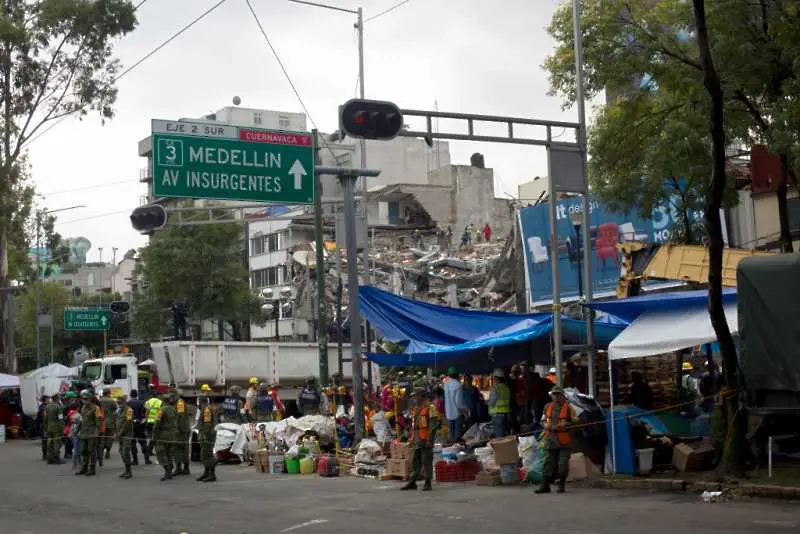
(276, 464)
(644, 461)
(293, 466)
(307, 466)
(509, 474)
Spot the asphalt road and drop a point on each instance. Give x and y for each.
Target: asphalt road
(39, 499)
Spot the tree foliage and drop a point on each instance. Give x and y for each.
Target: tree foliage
(55, 60)
(201, 265)
(644, 54)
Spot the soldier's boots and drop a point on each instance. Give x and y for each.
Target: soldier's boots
(544, 488)
(147, 460)
(83, 471)
(108, 454)
(127, 473)
(561, 486)
(135, 460)
(411, 485)
(167, 474)
(212, 475)
(91, 472)
(186, 469)
(427, 486)
(204, 476)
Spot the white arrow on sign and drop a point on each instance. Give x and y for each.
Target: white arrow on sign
(298, 171)
(103, 320)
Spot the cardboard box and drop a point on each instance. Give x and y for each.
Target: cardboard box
(487, 478)
(505, 450)
(261, 461)
(399, 450)
(582, 468)
(687, 457)
(400, 467)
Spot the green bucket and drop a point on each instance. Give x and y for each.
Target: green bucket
(293, 466)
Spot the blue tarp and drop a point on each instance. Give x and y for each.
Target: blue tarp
(629, 309)
(402, 320)
(474, 354)
(606, 328)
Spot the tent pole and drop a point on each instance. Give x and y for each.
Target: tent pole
(613, 454)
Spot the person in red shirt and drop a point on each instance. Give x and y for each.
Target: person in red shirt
(487, 232)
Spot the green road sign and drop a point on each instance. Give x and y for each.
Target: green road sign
(86, 319)
(220, 161)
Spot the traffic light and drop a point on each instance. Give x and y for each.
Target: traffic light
(119, 306)
(370, 119)
(148, 219)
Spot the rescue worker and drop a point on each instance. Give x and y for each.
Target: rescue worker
(139, 430)
(91, 419)
(53, 424)
(308, 399)
(558, 416)
(250, 399)
(125, 436)
(279, 409)
(263, 404)
(500, 405)
(183, 438)
(165, 434)
(425, 424)
(152, 410)
(233, 407)
(109, 406)
(207, 420)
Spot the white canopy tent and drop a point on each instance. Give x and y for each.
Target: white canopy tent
(661, 332)
(8, 381)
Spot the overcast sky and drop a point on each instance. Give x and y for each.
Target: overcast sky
(473, 56)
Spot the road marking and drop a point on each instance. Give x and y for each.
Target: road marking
(304, 525)
(773, 523)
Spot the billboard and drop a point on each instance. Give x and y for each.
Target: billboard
(606, 229)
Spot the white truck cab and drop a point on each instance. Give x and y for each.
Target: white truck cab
(119, 373)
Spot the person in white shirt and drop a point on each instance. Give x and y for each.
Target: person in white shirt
(453, 405)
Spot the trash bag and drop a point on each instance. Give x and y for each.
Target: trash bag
(527, 450)
(536, 469)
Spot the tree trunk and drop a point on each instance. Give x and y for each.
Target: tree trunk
(733, 460)
(6, 327)
(783, 210)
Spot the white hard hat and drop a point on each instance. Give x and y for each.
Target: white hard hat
(499, 373)
(553, 370)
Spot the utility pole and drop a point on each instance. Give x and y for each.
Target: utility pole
(322, 338)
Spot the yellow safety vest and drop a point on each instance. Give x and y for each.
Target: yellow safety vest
(154, 409)
(503, 404)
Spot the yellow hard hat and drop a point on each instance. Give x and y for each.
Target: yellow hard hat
(687, 366)
(389, 415)
(342, 389)
(253, 381)
(205, 387)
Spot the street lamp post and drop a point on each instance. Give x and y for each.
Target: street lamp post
(39, 217)
(275, 303)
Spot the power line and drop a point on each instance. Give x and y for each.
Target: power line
(140, 61)
(101, 215)
(88, 187)
(387, 11)
(286, 74)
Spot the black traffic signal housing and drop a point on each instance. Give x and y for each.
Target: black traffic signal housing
(147, 219)
(120, 324)
(370, 119)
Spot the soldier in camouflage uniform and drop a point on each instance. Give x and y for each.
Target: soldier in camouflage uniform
(90, 428)
(183, 438)
(207, 420)
(165, 433)
(125, 421)
(53, 424)
(109, 406)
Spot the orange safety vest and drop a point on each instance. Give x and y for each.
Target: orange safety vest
(564, 437)
(422, 421)
(101, 415)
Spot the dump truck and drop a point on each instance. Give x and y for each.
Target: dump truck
(222, 364)
(768, 303)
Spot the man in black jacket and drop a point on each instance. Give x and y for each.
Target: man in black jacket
(136, 404)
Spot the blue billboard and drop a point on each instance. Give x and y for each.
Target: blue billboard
(606, 230)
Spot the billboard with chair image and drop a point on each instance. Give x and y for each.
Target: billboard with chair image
(606, 229)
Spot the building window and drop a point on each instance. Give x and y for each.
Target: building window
(265, 243)
(264, 277)
(284, 121)
(258, 118)
(67, 283)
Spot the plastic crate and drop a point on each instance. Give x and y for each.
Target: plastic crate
(456, 472)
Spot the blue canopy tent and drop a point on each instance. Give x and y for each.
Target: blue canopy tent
(606, 328)
(630, 308)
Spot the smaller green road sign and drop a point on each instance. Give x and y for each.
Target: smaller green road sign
(226, 162)
(86, 320)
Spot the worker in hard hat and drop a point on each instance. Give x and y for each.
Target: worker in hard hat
(556, 440)
(207, 420)
(278, 407)
(552, 375)
(500, 405)
(250, 399)
(426, 421)
(688, 381)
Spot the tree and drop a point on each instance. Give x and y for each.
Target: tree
(732, 458)
(201, 265)
(55, 60)
(644, 53)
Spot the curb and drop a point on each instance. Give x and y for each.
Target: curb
(679, 485)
